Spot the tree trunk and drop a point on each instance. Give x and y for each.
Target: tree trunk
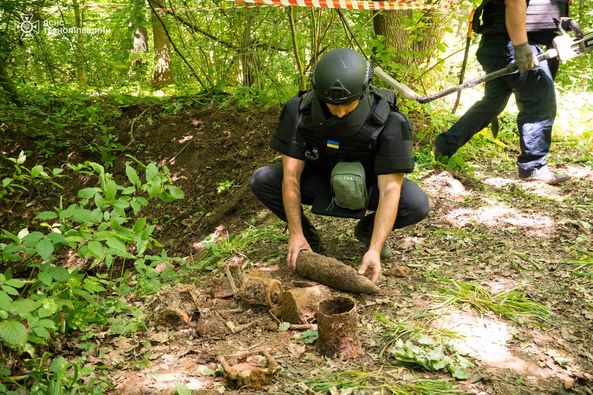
(139, 40)
(247, 56)
(7, 85)
(139, 47)
(163, 70)
(139, 35)
(78, 20)
(411, 46)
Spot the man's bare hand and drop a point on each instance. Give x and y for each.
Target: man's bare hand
(296, 244)
(371, 265)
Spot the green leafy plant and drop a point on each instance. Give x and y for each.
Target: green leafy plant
(512, 304)
(342, 380)
(422, 345)
(431, 356)
(424, 387)
(383, 54)
(101, 229)
(62, 376)
(22, 178)
(224, 186)
(406, 328)
(309, 336)
(107, 148)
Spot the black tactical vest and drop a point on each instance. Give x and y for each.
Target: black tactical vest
(540, 17)
(347, 145)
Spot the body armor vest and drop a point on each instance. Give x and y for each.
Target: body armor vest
(540, 16)
(347, 145)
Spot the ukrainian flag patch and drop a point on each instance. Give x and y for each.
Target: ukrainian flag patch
(333, 144)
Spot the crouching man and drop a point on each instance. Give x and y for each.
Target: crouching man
(345, 149)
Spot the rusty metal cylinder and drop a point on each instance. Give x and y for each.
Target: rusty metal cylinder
(338, 327)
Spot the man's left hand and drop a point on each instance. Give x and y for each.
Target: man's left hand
(371, 265)
(524, 57)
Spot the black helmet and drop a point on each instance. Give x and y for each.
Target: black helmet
(341, 76)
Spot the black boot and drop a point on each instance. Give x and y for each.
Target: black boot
(311, 235)
(364, 232)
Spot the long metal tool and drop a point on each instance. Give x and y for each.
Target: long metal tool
(565, 49)
(408, 92)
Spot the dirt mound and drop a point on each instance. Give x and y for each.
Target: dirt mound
(211, 154)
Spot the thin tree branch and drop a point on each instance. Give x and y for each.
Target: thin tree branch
(295, 47)
(188, 51)
(197, 29)
(347, 28)
(219, 40)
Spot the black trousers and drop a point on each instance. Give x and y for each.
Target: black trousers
(536, 100)
(266, 183)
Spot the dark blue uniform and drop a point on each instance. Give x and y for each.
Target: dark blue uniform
(534, 93)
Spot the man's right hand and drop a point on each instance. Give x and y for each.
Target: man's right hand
(296, 244)
(524, 58)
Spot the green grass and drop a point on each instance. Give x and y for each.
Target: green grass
(216, 252)
(512, 304)
(380, 382)
(582, 267)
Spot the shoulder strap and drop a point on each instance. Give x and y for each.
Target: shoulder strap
(306, 98)
(384, 105)
(388, 95)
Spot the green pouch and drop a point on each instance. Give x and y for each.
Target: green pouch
(348, 185)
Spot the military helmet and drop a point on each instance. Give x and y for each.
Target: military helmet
(341, 76)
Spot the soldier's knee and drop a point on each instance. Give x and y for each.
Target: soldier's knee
(264, 179)
(422, 208)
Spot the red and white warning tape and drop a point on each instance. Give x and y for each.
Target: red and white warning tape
(356, 4)
(395, 5)
(114, 6)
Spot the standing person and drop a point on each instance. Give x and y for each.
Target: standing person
(505, 39)
(345, 149)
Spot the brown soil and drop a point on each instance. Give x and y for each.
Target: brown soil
(203, 148)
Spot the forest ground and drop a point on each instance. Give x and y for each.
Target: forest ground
(485, 227)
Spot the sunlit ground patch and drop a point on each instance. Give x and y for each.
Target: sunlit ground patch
(573, 117)
(501, 285)
(445, 183)
(496, 183)
(487, 340)
(540, 189)
(497, 214)
(581, 172)
(535, 188)
(160, 379)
